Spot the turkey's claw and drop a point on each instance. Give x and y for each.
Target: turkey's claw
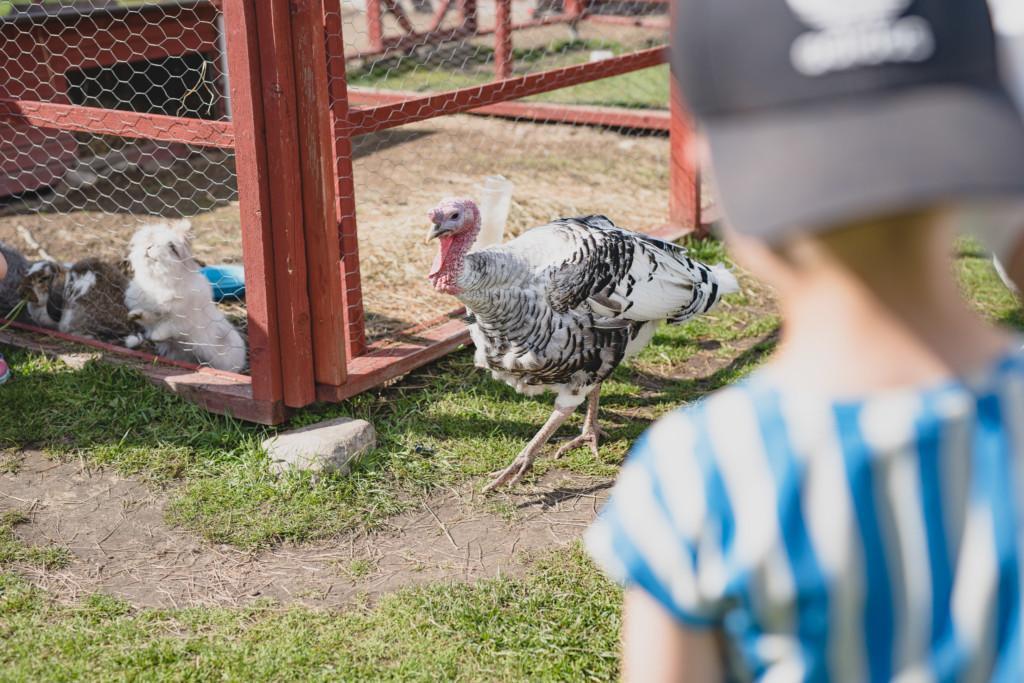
(521, 465)
(513, 473)
(588, 437)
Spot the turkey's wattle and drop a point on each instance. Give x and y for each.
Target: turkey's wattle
(562, 305)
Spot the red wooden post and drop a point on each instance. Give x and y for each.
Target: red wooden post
(278, 80)
(254, 200)
(684, 175)
(503, 40)
(467, 9)
(575, 8)
(345, 209)
(375, 23)
(318, 189)
(400, 16)
(439, 14)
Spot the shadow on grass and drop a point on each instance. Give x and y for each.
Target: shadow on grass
(441, 426)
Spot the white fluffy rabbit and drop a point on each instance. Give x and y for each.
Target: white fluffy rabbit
(173, 300)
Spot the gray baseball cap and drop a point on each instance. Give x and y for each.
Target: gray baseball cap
(823, 112)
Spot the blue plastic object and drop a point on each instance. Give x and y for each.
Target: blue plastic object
(228, 282)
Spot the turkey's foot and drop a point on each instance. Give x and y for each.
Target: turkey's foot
(514, 472)
(590, 436)
(592, 432)
(521, 465)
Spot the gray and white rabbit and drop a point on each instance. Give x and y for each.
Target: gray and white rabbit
(85, 299)
(173, 300)
(10, 294)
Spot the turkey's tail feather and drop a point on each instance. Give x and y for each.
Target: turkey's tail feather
(727, 283)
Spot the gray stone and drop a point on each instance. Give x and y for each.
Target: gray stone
(324, 447)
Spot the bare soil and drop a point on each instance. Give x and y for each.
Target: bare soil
(122, 547)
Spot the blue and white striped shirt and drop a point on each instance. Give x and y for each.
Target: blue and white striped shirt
(865, 540)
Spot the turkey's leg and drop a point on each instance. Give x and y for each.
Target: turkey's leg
(592, 431)
(523, 461)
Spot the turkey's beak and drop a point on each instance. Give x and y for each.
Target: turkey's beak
(436, 230)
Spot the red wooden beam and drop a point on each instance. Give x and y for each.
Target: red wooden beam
(470, 17)
(658, 23)
(323, 250)
(345, 208)
(439, 14)
(126, 124)
(576, 114)
(384, 362)
(219, 392)
(456, 101)
(503, 39)
(375, 24)
(684, 192)
(399, 14)
(575, 8)
(468, 29)
(254, 177)
(290, 277)
(684, 175)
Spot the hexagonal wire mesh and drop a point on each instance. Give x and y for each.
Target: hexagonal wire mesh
(72, 201)
(617, 165)
(77, 198)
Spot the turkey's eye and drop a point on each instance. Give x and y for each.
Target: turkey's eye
(455, 216)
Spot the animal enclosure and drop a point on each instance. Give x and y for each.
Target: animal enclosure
(305, 141)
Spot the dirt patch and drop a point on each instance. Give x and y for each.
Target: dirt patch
(122, 547)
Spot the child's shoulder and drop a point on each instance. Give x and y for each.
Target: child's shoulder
(749, 399)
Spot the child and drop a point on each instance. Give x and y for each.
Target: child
(853, 510)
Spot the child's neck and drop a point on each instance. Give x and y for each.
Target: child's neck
(902, 324)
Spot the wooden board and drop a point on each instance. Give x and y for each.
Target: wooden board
(320, 227)
(219, 392)
(254, 178)
(282, 139)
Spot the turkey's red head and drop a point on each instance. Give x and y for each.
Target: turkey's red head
(455, 224)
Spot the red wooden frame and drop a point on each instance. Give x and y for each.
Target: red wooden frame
(291, 131)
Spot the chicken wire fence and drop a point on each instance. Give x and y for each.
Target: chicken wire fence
(597, 146)
(568, 100)
(72, 201)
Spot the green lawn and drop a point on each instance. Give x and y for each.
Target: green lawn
(446, 425)
(560, 623)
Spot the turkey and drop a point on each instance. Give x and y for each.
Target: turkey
(558, 308)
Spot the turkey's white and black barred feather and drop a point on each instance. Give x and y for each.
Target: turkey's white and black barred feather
(560, 307)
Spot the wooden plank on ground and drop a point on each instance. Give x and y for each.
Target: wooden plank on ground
(219, 392)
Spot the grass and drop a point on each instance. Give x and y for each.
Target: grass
(558, 623)
(983, 288)
(445, 425)
(465, 66)
(442, 426)
(15, 552)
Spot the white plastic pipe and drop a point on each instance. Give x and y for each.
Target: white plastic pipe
(494, 197)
